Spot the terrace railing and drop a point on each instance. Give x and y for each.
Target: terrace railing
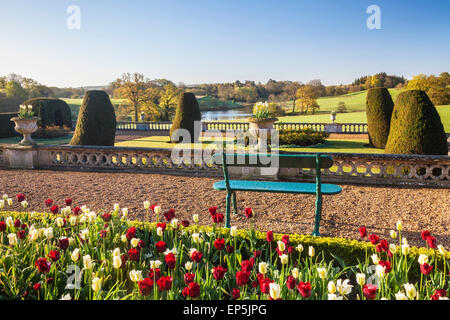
(356, 128)
(378, 169)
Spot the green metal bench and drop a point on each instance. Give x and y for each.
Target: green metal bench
(316, 162)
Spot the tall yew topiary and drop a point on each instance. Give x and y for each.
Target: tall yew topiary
(379, 106)
(96, 124)
(187, 113)
(416, 127)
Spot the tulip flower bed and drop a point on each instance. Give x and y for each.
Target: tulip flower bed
(74, 253)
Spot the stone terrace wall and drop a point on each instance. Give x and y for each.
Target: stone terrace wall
(374, 169)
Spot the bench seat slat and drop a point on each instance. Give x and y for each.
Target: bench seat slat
(277, 187)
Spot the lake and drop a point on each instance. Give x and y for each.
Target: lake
(230, 114)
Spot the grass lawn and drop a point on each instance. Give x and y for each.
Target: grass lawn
(75, 104)
(331, 145)
(55, 141)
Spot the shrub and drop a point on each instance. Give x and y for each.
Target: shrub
(187, 113)
(53, 112)
(416, 127)
(96, 124)
(290, 137)
(342, 108)
(379, 106)
(304, 137)
(7, 126)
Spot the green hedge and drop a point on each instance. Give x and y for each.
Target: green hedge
(7, 126)
(53, 112)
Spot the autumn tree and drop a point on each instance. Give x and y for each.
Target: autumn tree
(306, 98)
(134, 88)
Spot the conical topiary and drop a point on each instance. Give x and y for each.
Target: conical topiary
(379, 106)
(96, 124)
(416, 127)
(186, 114)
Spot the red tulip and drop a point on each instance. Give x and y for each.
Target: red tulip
(145, 286)
(363, 232)
(305, 289)
(219, 272)
(426, 268)
(370, 291)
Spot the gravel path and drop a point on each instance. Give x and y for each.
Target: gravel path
(377, 208)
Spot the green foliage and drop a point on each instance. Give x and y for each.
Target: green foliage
(6, 125)
(187, 113)
(416, 127)
(379, 106)
(96, 123)
(304, 137)
(53, 112)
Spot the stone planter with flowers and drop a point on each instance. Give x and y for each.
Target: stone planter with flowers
(26, 124)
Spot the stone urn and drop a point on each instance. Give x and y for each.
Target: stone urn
(258, 126)
(26, 126)
(333, 117)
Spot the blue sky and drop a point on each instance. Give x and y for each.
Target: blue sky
(222, 41)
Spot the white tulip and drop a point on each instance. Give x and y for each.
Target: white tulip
(331, 287)
(33, 234)
(284, 258)
(322, 273)
(135, 275)
(400, 296)
(87, 262)
(423, 258)
(274, 290)
(59, 222)
(146, 205)
(380, 271)
(117, 262)
(311, 252)
(295, 273)
(116, 252)
(188, 265)
(84, 235)
(24, 204)
(9, 201)
(73, 220)
(134, 242)
(361, 279)
(332, 296)
(75, 256)
(123, 238)
(5, 197)
(410, 290)
(157, 210)
(441, 249)
(195, 237)
(48, 233)
(12, 237)
(299, 248)
(96, 284)
(159, 232)
(393, 234)
(405, 249)
(154, 264)
(233, 231)
(399, 225)
(116, 207)
(375, 258)
(343, 287)
(174, 223)
(10, 222)
(2, 204)
(195, 218)
(281, 246)
(262, 266)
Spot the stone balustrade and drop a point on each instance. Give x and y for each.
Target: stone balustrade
(356, 128)
(378, 169)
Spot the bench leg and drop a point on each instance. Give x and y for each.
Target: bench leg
(233, 201)
(318, 216)
(227, 217)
